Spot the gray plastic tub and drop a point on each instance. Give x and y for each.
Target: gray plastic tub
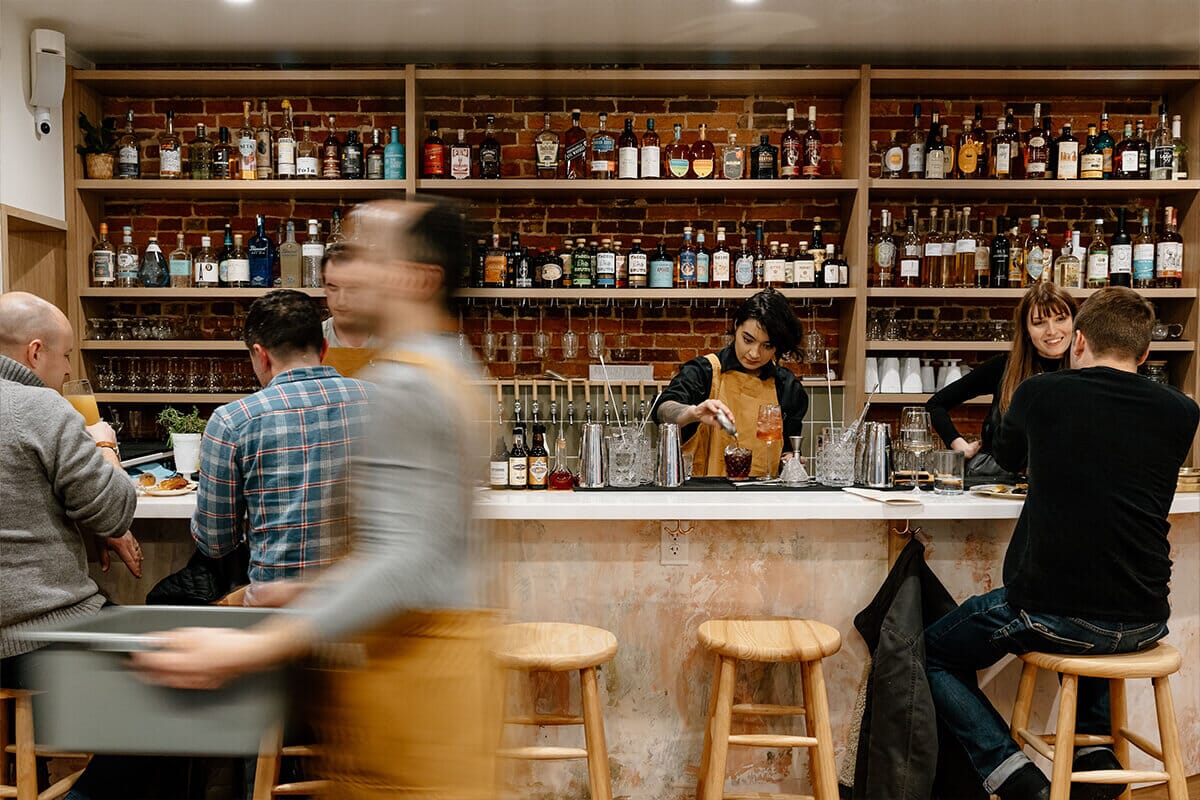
(95, 703)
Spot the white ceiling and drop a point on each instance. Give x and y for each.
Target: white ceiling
(930, 32)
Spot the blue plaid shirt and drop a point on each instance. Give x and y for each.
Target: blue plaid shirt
(274, 470)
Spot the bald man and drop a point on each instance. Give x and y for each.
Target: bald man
(60, 481)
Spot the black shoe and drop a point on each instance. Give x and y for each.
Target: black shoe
(1027, 783)
(1093, 760)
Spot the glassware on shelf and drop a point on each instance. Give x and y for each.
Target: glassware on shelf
(490, 342)
(95, 331)
(541, 340)
(215, 381)
(875, 324)
(570, 340)
(893, 331)
(120, 330)
(595, 339)
(155, 380)
(175, 378)
(197, 378)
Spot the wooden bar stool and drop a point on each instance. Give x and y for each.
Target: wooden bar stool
(563, 647)
(1156, 664)
(767, 641)
(266, 772)
(26, 751)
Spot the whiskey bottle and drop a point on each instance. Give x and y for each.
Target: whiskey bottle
(1038, 256)
(765, 159)
(460, 157)
(312, 254)
(583, 267)
(964, 253)
(703, 262)
(179, 265)
(1162, 153)
(308, 155)
(1179, 170)
(1091, 158)
(983, 258)
(743, 267)
(1120, 254)
(818, 248)
(733, 159)
(170, 151)
(1125, 163)
(352, 157)
(495, 265)
(1067, 149)
(760, 256)
(627, 152)
(546, 149)
(575, 148)
(247, 147)
(651, 152)
(489, 151)
(1001, 152)
(1143, 149)
(205, 265)
(803, 268)
(1037, 150)
(1107, 145)
(662, 269)
(290, 264)
(638, 265)
(950, 159)
(104, 260)
(935, 151)
(1017, 278)
(791, 148)
(604, 154)
(200, 153)
(1016, 165)
(1097, 257)
(331, 154)
(773, 267)
(687, 260)
(523, 271)
(264, 144)
(129, 151)
(910, 256)
(703, 155)
(285, 145)
(931, 252)
(1143, 255)
(998, 261)
(980, 137)
(127, 261)
(498, 464)
(1168, 256)
(393, 157)
(884, 254)
(1052, 146)
(721, 263)
(153, 273)
(678, 156)
(916, 146)
(374, 156)
(812, 147)
(433, 153)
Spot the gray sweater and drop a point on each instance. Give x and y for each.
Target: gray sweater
(55, 486)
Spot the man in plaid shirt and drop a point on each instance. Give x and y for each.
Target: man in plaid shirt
(274, 465)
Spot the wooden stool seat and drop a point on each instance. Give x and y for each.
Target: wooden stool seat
(770, 640)
(27, 752)
(1157, 664)
(767, 641)
(554, 646)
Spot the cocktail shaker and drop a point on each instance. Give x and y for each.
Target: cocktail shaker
(877, 456)
(670, 456)
(591, 456)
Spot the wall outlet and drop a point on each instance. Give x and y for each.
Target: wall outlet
(674, 545)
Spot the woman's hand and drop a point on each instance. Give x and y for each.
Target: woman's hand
(968, 449)
(706, 412)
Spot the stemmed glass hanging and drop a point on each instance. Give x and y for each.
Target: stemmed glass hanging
(491, 342)
(596, 337)
(570, 339)
(814, 341)
(513, 342)
(541, 339)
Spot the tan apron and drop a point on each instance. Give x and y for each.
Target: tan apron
(348, 361)
(743, 393)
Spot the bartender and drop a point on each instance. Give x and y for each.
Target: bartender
(350, 343)
(734, 382)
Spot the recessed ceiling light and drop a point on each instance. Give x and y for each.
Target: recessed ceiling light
(239, 2)
(744, 2)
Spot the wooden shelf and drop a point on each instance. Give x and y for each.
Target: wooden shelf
(169, 398)
(636, 82)
(635, 188)
(1176, 346)
(1117, 189)
(257, 81)
(301, 189)
(877, 344)
(946, 83)
(1012, 294)
(920, 399)
(190, 293)
(643, 294)
(163, 344)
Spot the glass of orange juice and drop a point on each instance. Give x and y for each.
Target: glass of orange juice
(79, 394)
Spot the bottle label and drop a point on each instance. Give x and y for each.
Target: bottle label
(627, 162)
(910, 268)
(1091, 166)
(651, 161)
(393, 165)
(831, 272)
(743, 271)
(285, 156)
(1107, 155)
(248, 156)
(489, 160)
(916, 158)
(601, 165)
(539, 469)
(518, 472)
(702, 268)
(103, 267)
(637, 265)
(1097, 266)
(983, 257)
(1121, 259)
(127, 162)
(495, 269)
(206, 272)
(1035, 263)
(678, 167)
(498, 474)
(127, 266)
(331, 165)
(806, 272)
(933, 249)
(1068, 160)
(551, 271)
(720, 266)
(460, 162)
(885, 254)
(576, 151)
(434, 159)
(375, 166)
(547, 154)
(312, 250)
(733, 164)
(662, 274)
(687, 267)
(179, 267)
(789, 158)
(964, 246)
(581, 270)
(606, 269)
(947, 249)
(169, 162)
(308, 166)
(968, 158)
(935, 164)
(843, 274)
(1035, 168)
(812, 159)
(766, 162)
(1003, 158)
(1162, 160)
(893, 160)
(1129, 162)
(703, 167)
(773, 270)
(1143, 262)
(1170, 259)
(238, 270)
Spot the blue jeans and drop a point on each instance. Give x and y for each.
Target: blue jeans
(982, 631)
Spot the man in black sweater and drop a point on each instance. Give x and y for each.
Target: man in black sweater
(1087, 569)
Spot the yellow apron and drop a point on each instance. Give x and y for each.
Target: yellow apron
(348, 361)
(743, 393)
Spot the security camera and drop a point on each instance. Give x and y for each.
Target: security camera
(42, 118)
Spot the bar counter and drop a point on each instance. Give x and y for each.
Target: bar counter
(595, 557)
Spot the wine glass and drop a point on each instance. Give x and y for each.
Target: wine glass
(893, 332)
(596, 337)
(814, 341)
(79, 395)
(541, 339)
(916, 441)
(491, 342)
(570, 339)
(770, 429)
(464, 341)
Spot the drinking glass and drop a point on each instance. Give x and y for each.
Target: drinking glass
(491, 342)
(155, 380)
(134, 375)
(216, 380)
(79, 394)
(175, 375)
(196, 379)
(622, 460)
(513, 342)
(814, 344)
(770, 429)
(95, 330)
(875, 324)
(948, 466)
(893, 332)
(570, 340)
(120, 331)
(737, 462)
(835, 460)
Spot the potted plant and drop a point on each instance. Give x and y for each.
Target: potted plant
(97, 147)
(185, 431)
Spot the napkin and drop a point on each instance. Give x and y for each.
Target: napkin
(890, 498)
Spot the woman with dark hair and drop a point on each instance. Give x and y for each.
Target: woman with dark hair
(735, 382)
(1044, 320)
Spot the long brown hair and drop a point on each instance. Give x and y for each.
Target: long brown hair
(1045, 299)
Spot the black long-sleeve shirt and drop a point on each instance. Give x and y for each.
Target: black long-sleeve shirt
(1103, 449)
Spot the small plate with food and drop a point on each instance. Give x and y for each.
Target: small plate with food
(168, 487)
(1006, 491)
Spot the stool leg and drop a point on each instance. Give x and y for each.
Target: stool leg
(816, 704)
(706, 754)
(26, 759)
(713, 780)
(266, 770)
(1024, 702)
(1064, 738)
(1169, 739)
(593, 733)
(1118, 716)
(4, 742)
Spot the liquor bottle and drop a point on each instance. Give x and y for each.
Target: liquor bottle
(264, 144)
(1162, 152)
(789, 263)
(433, 153)
(606, 266)
(1016, 165)
(104, 260)
(460, 157)
(489, 151)
(604, 151)
(764, 159)
(1067, 272)
(335, 229)
(259, 255)
(225, 156)
(885, 251)
(722, 263)
(1067, 149)
(523, 272)
(308, 155)
(703, 262)
(627, 152)
(982, 148)
(949, 237)
(575, 148)
(352, 157)
(170, 151)
(678, 156)
(743, 267)
(152, 273)
(539, 458)
(1017, 279)
(892, 165)
(935, 151)
(495, 265)
(803, 269)
(498, 463)
(1037, 147)
(546, 150)
(200, 154)
(733, 159)
(622, 262)
(1052, 147)
(247, 148)
(651, 159)
(931, 251)
(1168, 255)
(1126, 159)
(1107, 145)
(638, 265)
(127, 261)
(791, 148)
(964, 253)
(916, 146)
(1143, 255)
(374, 156)
(836, 261)
(226, 252)
(205, 265)
(1097, 257)
(312, 253)
(237, 266)
(179, 265)
(910, 256)
(567, 257)
(583, 267)
(1037, 257)
(703, 155)
(1120, 255)
(1179, 170)
(968, 152)
(285, 145)
(290, 260)
(998, 262)
(812, 147)
(1143, 149)
(1091, 158)
(773, 267)
(129, 151)
(1001, 152)
(687, 260)
(662, 269)
(331, 153)
(875, 160)
(518, 458)
(983, 258)
(393, 157)
(950, 157)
